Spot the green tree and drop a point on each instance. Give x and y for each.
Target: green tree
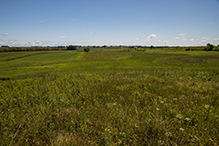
(86, 49)
(209, 47)
(5, 46)
(71, 47)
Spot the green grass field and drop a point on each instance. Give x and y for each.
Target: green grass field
(109, 97)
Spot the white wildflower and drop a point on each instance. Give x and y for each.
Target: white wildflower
(136, 125)
(161, 101)
(175, 99)
(187, 119)
(160, 142)
(168, 134)
(181, 129)
(207, 106)
(119, 141)
(157, 109)
(179, 116)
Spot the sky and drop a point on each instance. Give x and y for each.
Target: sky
(109, 22)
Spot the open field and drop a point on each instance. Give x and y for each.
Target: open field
(21, 64)
(109, 97)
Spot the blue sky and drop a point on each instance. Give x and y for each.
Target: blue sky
(109, 22)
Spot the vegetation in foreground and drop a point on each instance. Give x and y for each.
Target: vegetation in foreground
(173, 100)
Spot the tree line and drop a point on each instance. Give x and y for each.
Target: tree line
(6, 48)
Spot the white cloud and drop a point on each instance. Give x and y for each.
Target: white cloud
(41, 21)
(165, 42)
(137, 38)
(152, 36)
(91, 32)
(182, 34)
(204, 41)
(38, 43)
(181, 37)
(5, 34)
(62, 37)
(205, 38)
(191, 40)
(217, 39)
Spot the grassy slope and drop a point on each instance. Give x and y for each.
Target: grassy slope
(110, 97)
(23, 64)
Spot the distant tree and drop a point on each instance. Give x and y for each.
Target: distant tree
(209, 47)
(5, 46)
(71, 47)
(60, 46)
(86, 49)
(152, 47)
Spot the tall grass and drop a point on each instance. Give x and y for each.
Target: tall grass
(126, 108)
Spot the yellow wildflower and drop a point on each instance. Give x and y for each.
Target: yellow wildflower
(108, 130)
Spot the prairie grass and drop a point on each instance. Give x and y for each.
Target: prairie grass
(138, 100)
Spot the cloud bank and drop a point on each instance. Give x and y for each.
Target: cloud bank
(5, 34)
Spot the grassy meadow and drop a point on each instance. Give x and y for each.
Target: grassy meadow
(109, 97)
